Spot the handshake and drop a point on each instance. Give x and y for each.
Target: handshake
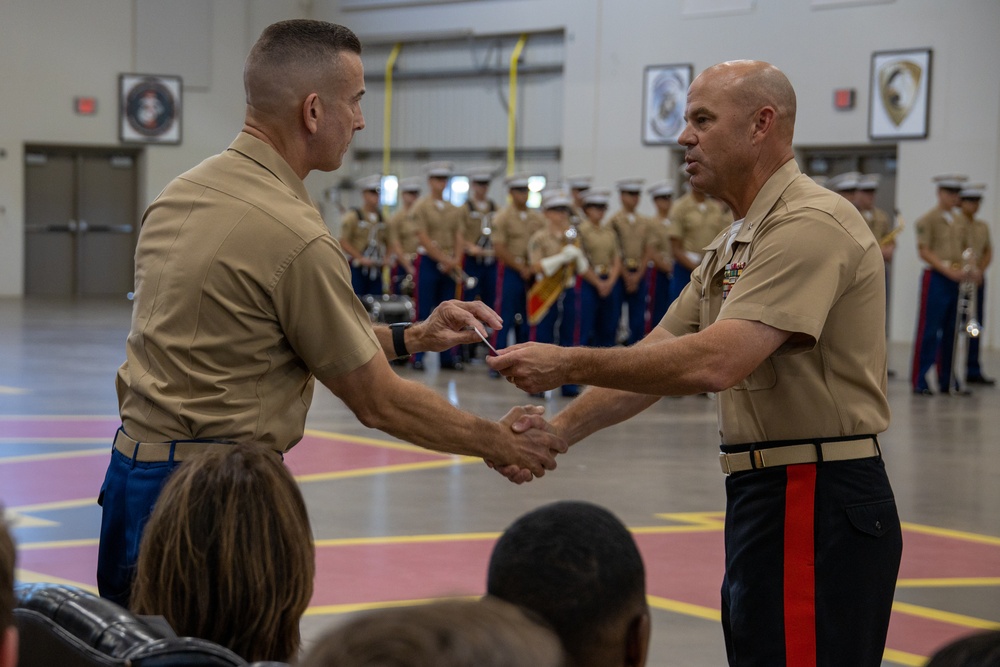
(568, 255)
(535, 440)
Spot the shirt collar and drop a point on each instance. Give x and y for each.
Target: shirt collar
(264, 155)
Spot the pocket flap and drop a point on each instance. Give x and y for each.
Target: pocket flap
(874, 518)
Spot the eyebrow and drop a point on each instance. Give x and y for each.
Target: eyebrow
(700, 111)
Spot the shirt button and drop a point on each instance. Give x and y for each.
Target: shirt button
(878, 525)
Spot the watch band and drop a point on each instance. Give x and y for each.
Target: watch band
(398, 338)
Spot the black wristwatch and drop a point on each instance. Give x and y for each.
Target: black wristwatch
(398, 341)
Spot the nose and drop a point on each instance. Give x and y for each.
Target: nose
(359, 121)
(685, 138)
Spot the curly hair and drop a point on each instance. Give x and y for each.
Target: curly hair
(228, 553)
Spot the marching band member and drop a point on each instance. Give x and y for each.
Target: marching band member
(512, 227)
(633, 234)
(600, 291)
(662, 253)
(403, 238)
(555, 253)
(440, 251)
(363, 238)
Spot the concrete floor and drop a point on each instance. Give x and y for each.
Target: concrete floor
(394, 523)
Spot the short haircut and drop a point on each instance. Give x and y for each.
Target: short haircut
(456, 633)
(980, 649)
(288, 50)
(8, 556)
(228, 553)
(573, 563)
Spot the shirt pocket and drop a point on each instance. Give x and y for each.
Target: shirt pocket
(762, 377)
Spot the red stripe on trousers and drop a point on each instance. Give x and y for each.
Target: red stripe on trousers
(925, 288)
(800, 581)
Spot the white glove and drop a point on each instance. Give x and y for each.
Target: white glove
(552, 263)
(581, 263)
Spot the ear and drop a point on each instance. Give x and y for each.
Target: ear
(763, 123)
(312, 112)
(637, 641)
(8, 647)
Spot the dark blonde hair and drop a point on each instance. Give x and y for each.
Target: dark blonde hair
(7, 559)
(466, 633)
(228, 553)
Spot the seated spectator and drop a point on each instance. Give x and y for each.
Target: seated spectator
(466, 633)
(8, 631)
(577, 566)
(228, 553)
(981, 649)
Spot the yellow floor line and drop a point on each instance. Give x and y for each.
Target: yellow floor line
(945, 616)
(953, 534)
(380, 470)
(685, 608)
(71, 454)
(324, 610)
(28, 577)
(954, 582)
(903, 658)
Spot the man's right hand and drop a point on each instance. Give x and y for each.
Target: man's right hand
(535, 444)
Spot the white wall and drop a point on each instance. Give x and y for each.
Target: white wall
(53, 50)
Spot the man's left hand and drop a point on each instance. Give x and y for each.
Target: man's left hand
(452, 323)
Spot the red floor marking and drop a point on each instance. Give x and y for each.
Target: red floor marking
(318, 455)
(51, 480)
(934, 556)
(77, 564)
(408, 571)
(921, 636)
(684, 566)
(45, 426)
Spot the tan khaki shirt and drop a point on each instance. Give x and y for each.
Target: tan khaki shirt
(935, 231)
(439, 220)
(403, 230)
(633, 234)
(659, 239)
(475, 218)
(804, 261)
(600, 245)
(972, 234)
(878, 221)
(697, 223)
(513, 228)
(241, 297)
(362, 231)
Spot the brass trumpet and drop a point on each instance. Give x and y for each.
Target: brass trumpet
(967, 325)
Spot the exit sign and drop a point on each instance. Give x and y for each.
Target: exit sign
(843, 99)
(85, 106)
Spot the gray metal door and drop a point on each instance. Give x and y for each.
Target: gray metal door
(80, 213)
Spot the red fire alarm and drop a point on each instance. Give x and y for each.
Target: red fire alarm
(85, 106)
(843, 99)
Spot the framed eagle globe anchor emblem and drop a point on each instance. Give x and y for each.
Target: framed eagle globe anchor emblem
(150, 108)
(899, 99)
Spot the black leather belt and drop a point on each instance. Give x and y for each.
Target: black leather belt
(862, 447)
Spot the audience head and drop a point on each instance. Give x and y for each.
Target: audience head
(576, 565)
(981, 649)
(467, 633)
(228, 553)
(8, 632)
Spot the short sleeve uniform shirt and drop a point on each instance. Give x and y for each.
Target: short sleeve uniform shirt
(242, 298)
(803, 261)
(512, 228)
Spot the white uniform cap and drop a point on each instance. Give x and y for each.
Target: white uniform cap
(517, 181)
(869, 182)
(844, 182)
(370, 183)
(411, 184)
(951, 181)
(821, 180)
(630, 185)
(661, 189)
(599, 196)
(555, 199)
(973, 191)
(578, 182)
(442, 169)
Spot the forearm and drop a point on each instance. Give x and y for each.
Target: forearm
(596, 409)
